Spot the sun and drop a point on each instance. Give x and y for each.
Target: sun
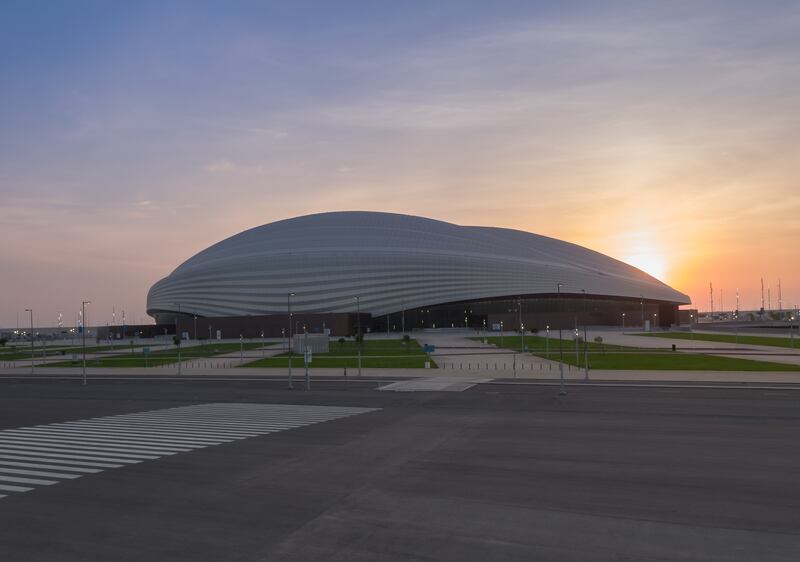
(650, 262)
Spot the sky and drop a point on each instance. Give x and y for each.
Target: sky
(135, 134)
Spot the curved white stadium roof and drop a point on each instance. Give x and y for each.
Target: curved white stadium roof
(393, 262)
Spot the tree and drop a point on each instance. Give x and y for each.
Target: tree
(599, 340)
(406, 338)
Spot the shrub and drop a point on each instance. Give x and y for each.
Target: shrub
(406, 338)
(341, 341)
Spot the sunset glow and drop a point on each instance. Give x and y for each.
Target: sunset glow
(660, 134)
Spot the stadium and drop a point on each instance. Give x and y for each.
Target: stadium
(335, 272)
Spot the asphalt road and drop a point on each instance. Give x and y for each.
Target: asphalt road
(498, 472)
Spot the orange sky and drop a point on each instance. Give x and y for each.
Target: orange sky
(664, 135)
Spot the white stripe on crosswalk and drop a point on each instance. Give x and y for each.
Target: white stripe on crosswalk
(43, 455)
(181, 428)
(96, 435)
(4, 464)
(67, 456)
(94, 443)
(5, 447)
(8, 488)
(24, 472)
(148, 436)
(19, 480)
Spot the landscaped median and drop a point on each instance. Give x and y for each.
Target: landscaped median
(771, 341)
(21, 351)
(375, 354)
(604, 356)
(163, 357)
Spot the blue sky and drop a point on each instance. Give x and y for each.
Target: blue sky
(133, 135)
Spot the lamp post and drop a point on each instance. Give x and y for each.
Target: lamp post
(501, 333)
(521, 326)
(289, 340)
(623, 322)
(83, 315)
(642, 296)
(359, 337)
(194, 335)
(585, 337)
(32, 350)
(562, 391)
(547, 342)
(655, 317)
(178, 338)
(305, 356)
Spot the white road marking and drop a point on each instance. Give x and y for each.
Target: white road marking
(67, 456)
(69, 450)
(4, 470)
(19, 480)
(7, 488)
(4, 464)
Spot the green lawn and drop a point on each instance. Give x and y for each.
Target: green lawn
(162, 357)
(385, 354)
(539, 345)
(603, 356)
(22, 352)
(728, 338)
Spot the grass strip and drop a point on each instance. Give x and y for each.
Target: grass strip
(604, 356)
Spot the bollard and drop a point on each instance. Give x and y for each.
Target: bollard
(345, 370)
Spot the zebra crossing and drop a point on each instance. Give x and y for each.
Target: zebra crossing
(43, 455)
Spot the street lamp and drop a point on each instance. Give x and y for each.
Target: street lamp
(585, 336)
(32, 350)
(562, 391)
(83, 315)
(623, 321)
(359, 338)
(547, 342)
(642, 296)
(289, 316)
(501, 333)
(521, 326)
(305, 356)
(178, 338)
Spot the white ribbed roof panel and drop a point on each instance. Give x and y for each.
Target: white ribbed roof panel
(392, 262)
